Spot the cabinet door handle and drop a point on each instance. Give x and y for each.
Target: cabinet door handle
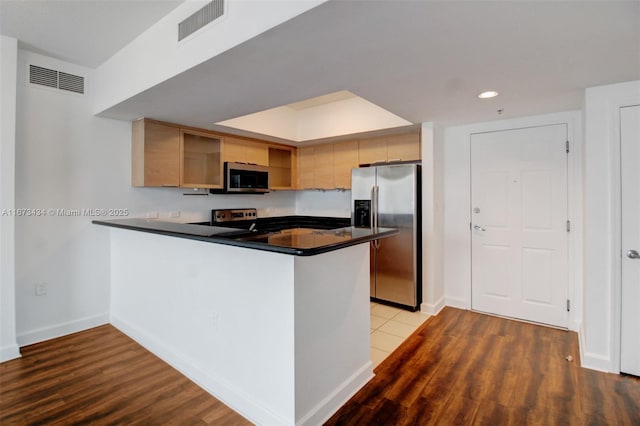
(168, 185)
(633, 254)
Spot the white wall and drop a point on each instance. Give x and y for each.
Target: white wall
(600, 343)
(432, 283)
(156, 55)
(68, 158)
(8, 63)
(457, 195)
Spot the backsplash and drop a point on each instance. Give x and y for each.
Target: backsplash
(170, 205)
(323, 203)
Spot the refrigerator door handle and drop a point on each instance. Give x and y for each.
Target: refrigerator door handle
(374, 213)
(373, 206)
(375, 202)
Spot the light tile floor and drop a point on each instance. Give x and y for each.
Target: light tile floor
(389, 327)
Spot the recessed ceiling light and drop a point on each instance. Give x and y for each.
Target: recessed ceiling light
(488, 94)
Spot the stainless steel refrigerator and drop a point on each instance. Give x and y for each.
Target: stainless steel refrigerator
(389, 196)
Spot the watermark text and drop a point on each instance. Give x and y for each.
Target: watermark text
(61, 212)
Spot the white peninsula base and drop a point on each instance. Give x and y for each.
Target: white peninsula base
(281, 339)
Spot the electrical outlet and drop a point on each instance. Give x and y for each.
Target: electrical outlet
(174, 214)
(41, 289)
(152, 215)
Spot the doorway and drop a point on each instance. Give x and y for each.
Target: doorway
(519, 224)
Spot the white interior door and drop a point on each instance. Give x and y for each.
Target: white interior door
(519, 224)
(630, 227)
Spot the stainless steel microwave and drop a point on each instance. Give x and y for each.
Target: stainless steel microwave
(246, 178)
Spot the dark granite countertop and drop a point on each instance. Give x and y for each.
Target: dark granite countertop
(299, 241)
(276, 223)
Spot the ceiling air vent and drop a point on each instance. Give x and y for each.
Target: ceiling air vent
(56, 79)
(202, 17)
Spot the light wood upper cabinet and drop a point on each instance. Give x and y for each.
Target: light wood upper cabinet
(327, 166)
(165, 154)
(257, 153)
(233, 150)
(400, 147)
(345, 158)
(245, 151)
(404, 147)
(372, 150)
(315, 167)
(323, 167)
(305, 167)
(200, 159)
(155, 154)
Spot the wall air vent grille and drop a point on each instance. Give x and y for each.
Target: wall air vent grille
(56, 79)
(70, 82)
(43, 76)
(199, 19)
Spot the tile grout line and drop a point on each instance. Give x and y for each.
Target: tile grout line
(397, 312)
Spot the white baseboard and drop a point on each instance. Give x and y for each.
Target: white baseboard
(343, 393)
(59, 330)
(219, 388)
(595, 362)
(8, 353)
(590, 360)
(575, 326)
(455, 302)
(432, 308)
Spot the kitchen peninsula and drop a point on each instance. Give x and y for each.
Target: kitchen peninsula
(275, 326)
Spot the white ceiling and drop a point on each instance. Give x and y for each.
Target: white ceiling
(421, 60)
(83, 32)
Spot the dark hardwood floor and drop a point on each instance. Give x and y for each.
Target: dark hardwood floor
(465, 368)
(460, 367)
(102, 377)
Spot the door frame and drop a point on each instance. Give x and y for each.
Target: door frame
(457, 202)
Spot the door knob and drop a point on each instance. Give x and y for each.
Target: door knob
(480, 228)
(633, 254)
